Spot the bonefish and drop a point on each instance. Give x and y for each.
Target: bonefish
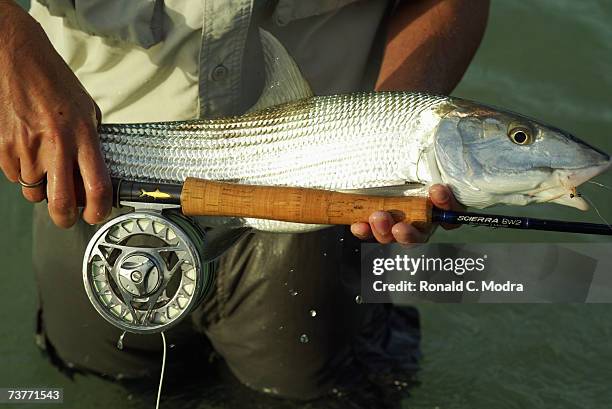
(385, 143)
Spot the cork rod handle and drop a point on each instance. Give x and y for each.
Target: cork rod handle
(300, 205)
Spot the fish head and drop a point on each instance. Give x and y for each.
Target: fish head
(489, 156)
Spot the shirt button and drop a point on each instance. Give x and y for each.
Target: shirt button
(219, 73)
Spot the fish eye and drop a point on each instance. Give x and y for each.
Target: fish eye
(520, 135)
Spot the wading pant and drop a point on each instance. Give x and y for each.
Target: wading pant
(258, 316)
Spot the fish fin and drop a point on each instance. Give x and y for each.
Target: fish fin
(406, 189)
(283, 81)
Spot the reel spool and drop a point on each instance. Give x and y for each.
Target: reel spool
(145, 271)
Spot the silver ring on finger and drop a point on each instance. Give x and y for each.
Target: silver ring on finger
(25, 184)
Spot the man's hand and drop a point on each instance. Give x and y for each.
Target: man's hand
(385, 230)
(48, 124)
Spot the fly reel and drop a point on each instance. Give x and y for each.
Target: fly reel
(145, 271)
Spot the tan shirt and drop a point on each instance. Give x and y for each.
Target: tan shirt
(159, 60)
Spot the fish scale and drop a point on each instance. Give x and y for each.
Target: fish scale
(319, 142)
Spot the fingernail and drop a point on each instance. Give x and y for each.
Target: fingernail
(381, 224)
(440, 195)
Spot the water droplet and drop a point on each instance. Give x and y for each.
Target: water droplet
(120, 341)
(324, 254)
(172, 346)
(356, 250)
(282, 327)
(313, 313)
(291, 270)
(341, 239)
(304, 339)
(293, 292)
(359, 300)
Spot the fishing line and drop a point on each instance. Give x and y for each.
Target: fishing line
(597, 211)
(599, 184)
(163, 368)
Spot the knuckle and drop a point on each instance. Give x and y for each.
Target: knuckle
(57, 137)
(33, 196)
(99, 190)
(62, 205)
(7, 148)
(86, 128)
(9, 170)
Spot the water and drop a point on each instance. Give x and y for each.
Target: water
(120, 340)
(550, 59)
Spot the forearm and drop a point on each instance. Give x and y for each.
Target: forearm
(6, 5)
(430, 44)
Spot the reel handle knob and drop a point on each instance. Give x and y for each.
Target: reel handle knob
(299, 205)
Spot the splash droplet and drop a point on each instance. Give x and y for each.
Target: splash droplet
(293, 293)
(313, 313)
(359, 300)
(356, 250)
(304, 339)
(120, 341)
(324, 254)
(341, 239)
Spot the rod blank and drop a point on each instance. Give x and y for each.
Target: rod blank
(515, 222)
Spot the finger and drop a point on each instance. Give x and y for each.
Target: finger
(31, 172)
(361, 230)
(96, 183)
(442, 197)
(381, 223)
(10, 166)
(60, 191)
(405, 233)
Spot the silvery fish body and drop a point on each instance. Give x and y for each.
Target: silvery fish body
(384, 143)
(332, 142)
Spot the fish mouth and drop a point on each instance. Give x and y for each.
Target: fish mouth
(563, 184)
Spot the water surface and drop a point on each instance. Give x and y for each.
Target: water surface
(549, 59)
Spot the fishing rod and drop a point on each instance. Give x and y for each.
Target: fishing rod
(145, 270)
(197, 197)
